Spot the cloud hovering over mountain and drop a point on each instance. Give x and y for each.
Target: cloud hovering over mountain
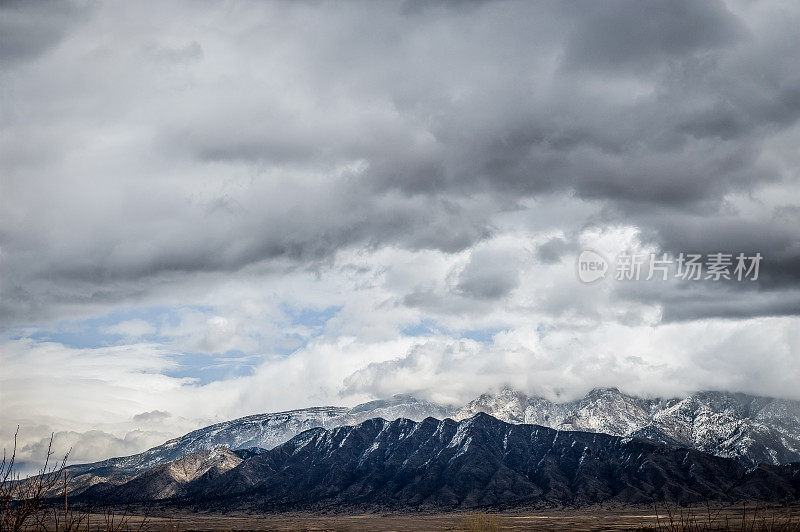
(256, 197)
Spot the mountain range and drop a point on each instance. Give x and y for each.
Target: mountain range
(748, 428)
(752, 430)
(445, 464)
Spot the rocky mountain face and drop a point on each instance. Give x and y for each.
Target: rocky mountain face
(259, 431)
(170, 480)
(255, 433)
(748, 428)
(479, 461)
(399, 406)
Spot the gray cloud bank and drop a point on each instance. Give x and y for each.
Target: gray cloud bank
(214, 209)
(145, 145)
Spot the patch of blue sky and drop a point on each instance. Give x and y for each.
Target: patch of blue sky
(429, 327)
(424, 327)
(484, 336)
(94, 332)
(287, 345)
(302, 325)
(205, 368)
(309, 317)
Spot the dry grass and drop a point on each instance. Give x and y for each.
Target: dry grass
(709, 518)
(481, 522)
(749, 518)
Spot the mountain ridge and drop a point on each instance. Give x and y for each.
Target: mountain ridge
(748, 428)
(476, 462)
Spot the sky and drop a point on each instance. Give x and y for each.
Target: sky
(214, 209)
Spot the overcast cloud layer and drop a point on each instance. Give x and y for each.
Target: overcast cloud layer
(215, 209)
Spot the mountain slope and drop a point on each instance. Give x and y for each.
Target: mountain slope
(171, 479)
(480, 461)
(260, 431)
(749, 428)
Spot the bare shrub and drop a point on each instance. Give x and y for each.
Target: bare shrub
(21, 500)
(41, 501)
(753, 518)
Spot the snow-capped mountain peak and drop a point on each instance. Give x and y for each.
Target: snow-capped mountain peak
(748, 428)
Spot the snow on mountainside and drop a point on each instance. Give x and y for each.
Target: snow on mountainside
(170, 479)
(260, 430)
(399, 406)
(263, 431)
(749, 428)
(433, 464)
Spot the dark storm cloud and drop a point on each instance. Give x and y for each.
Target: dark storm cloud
(29, 29)
(554, 249)
(378, 124)
(683, 301)
(294, 236)
(734, 304)
(775, 237)
(639, 36)
(489, 275)
(685, 133)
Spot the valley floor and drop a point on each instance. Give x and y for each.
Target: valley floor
(586, 519)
